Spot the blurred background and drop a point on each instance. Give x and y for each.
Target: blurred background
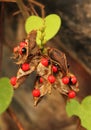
(73, 38)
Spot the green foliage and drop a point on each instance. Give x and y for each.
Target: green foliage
(52, 23)
(33, 23)
(46, 28)
(83, 111)
(6, 94)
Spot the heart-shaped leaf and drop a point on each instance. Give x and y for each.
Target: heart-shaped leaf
(72, 107)
(52, 24)
(83, 111)
(6, 94)
(33, 23)
(48, 26)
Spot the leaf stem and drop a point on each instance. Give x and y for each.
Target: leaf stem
(79, 127)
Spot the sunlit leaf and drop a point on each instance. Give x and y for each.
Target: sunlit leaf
(6, 94)
(52, 24)
(72, 107)
(33, 23)
(83, 111)
(86, 103)
(49, 26)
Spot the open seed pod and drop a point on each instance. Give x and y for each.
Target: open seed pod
(51, 68)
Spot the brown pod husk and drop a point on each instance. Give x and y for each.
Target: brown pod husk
(33, 57)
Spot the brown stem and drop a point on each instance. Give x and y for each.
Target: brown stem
(43, 12)
(33, 9)
(79, 127)
(1, 33)
(7, 0)
(15, 119)
(22, 8)
(78, 124)
(39, 5)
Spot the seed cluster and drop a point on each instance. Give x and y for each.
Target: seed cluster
(51, 69)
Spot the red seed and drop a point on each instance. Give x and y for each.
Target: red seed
(44, 62)
(22, 44)
(16, 49)
(71, 94)
(73, 80)
(13, 80)
(54, 69)
(36, 93)
(51, 79)
(22, 50)
(25, 67)
(65, 80)
(41, 80)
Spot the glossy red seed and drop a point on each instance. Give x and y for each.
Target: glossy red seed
(41, 80)
(73, 80)
(65, 80)
(71, 94)
(25, 67)
(54, 69)
(13, 80)
(22, 50)
(44, 62)
(16, 49)
(51, 79)
(22, 44)
(36, 93)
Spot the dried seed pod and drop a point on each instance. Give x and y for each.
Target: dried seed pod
(60, 58)
(32, 55)
(30, 48)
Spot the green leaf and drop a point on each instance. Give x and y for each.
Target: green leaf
(33, 23)
(6, 94)
(48, 26)
(73, 107)
(83, 111)
(85, 114)
(86, 103)
(52, 24)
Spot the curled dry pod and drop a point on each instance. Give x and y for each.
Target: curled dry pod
(60, 58)
(36, 61)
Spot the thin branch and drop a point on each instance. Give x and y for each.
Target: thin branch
(39, 5)
(15, 119)
(43, 12)
(17, 12)
(33, 9)
(7, 0)
(22, 8)
(1, 33)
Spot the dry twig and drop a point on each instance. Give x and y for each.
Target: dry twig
(15, 119)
